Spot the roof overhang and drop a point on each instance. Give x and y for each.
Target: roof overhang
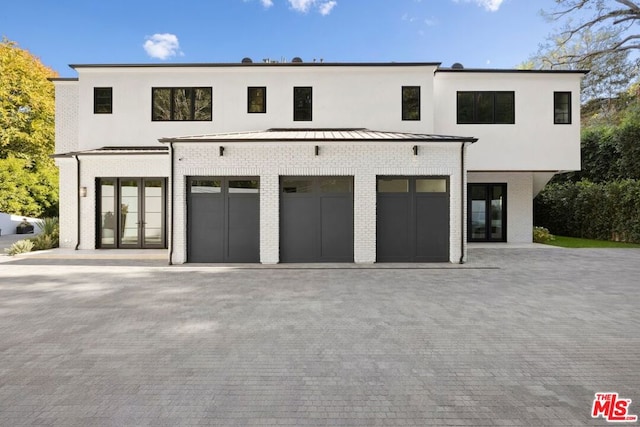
(118, 151)
(317, 135)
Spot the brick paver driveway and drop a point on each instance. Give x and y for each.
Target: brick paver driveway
(516, 337)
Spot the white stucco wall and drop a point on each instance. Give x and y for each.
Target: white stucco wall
(364, 161)
(343, 97)
(534, 142)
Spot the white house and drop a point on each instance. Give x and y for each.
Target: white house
(308, 162)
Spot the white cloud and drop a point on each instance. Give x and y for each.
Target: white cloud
(267, 3)
(325, 7)
(162, 46)
(490, 5)
(301, 5)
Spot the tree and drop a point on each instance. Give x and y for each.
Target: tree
(609, 73)
(28, 176)
(621, 17)
(26, 104)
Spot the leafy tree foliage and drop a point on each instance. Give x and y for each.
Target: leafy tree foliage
(28, 176)
(609, 73)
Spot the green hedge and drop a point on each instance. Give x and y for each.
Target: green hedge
(604, 211)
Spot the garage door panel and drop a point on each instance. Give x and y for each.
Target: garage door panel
(432, 228)
(243, 229)
(206, 228)
(412, 219)
(336, 238)
(223, 220)
(393, 241)
(299, 234)
(316, 219)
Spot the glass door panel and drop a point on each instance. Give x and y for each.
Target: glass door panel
(478, 211)
(496, 213)
(108, 223)
(129, 213)
(153, 212)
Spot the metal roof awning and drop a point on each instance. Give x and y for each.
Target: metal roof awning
(115, 151)
(316, 135)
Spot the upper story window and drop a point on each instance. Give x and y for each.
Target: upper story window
(181, 103)
(102, 100)
(486, 107)
(562, 108)
(302, 104)
(257, 100)
(410, 102)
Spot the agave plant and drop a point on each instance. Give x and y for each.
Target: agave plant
(48, 226)
(20, 247)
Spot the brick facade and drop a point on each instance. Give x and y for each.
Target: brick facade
(363, 161)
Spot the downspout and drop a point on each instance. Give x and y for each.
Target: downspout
(172, 203)
(463, 202)
(78, 200)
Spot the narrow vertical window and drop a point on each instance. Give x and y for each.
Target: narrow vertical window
(562, 108)
(302, 104)
(410, 102)
(102, 100)
(257, 102)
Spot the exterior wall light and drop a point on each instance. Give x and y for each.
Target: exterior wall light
(317, 150)
(415, 150)
(83, 191)
(221, 151)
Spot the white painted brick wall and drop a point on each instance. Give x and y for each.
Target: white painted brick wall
(519, 201)
(67, 214)
(363, 161)
(93, 167)
(66, 117)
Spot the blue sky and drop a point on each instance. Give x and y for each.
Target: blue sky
(477, 33)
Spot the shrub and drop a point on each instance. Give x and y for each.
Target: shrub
(49, 234)
(43, 241)
(20, 247)
(542, 235)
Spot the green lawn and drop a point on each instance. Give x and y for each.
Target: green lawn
(575, 242)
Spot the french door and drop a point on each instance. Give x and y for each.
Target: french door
(487, 213)
(131, 213)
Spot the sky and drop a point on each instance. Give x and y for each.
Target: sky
(476, 33)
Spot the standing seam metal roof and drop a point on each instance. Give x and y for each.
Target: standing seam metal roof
(290, 135)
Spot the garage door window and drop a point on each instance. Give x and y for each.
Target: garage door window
(431, 185)
(336, 185)
(393, 185)
(297, 185)
(244, 186)
(205, 186)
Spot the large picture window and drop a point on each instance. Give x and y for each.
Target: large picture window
(562, 108)
(486, 107)
(302, 104)
(410, 102)
(181, 103)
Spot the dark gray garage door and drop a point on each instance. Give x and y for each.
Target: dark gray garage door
(223, 220)
(316, 219)
(412, 219)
